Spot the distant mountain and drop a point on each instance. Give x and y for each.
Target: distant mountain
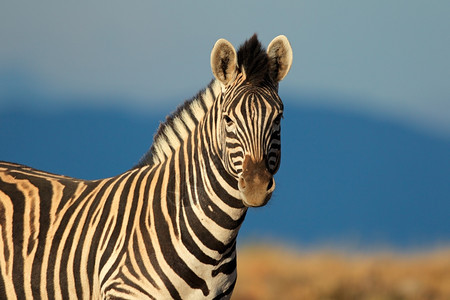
(344, 177)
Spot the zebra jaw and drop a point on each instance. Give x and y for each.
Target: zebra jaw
(256, 184)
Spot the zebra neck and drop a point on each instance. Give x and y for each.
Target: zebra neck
(195, 186)
(202, 192)
(217, 192)
(184, 193)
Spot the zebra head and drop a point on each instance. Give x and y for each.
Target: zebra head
(250, 112)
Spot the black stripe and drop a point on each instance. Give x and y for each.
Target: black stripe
(201, 231)
(4, 239)
(149, 243)
(186, 237)
(172, 190)
(18, 199)
(70, 187)
(6, 252)
(123, 201)
(193, 248)
(220, 217)
(142, 219)
(227, 268)
(71, 243)
(128, 283)
(2, 288)
(118, 224)
(168, 249)
(45, 197)
(142, 267)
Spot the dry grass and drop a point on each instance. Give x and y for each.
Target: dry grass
(273, 273)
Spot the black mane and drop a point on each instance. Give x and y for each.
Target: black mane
(253, 59)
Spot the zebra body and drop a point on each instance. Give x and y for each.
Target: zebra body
(167, 228)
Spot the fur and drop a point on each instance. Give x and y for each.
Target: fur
(252, 60)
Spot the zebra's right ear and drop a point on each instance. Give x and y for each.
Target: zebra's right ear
(224, 61)
(280, 57)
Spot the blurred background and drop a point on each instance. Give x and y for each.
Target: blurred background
(366, 133)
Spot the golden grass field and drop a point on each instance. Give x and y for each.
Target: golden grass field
(267, 272)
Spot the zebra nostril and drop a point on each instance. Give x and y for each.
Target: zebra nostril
(242, 183)
(270, 185)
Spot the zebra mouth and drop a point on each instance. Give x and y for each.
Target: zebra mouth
(256, 193)
(256, 184)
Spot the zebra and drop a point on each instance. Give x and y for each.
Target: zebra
(167, 227)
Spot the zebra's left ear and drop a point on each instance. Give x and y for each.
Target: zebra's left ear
(280, 57)
(224, 61)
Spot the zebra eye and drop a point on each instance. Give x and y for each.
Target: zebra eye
(277, 120)
(228, 120)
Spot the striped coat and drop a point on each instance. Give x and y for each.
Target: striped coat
(167, 228)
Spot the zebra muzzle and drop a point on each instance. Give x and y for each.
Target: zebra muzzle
(256, 184)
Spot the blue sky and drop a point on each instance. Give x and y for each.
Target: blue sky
(390, 59)
(83, 86)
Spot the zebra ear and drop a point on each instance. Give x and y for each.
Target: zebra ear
(224, 61)
(280, 57)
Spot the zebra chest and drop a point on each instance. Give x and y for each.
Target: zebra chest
(141, 280)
